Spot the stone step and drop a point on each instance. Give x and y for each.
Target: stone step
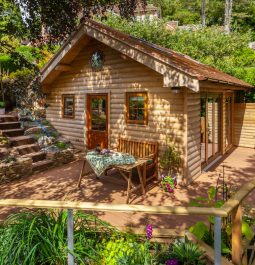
(38, 156)
(27, 149)
(12, 132)
(8, 118)
(10, 125)
(21, 140)
(42, 165)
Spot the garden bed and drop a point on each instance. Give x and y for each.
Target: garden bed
(40, 237)
(16, 169)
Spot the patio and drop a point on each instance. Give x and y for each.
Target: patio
(61, 184)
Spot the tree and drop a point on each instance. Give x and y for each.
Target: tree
(203, 13)
(228, 15)
(211, 46)
(60, 18)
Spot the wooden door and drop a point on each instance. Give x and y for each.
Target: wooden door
(97, 120)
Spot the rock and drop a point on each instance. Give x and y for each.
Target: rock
(61, 157)
(15, 169)
(44, 141)
(33, 130)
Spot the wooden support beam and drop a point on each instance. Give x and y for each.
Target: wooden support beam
(237, 250)
(185, 137)
(63, 68)
(107, 207)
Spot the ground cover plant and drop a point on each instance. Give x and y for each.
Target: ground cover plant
(40, 237)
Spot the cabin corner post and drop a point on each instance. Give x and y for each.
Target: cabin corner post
(70, 236)
(237, 250)
(185, 135)
(217, 240)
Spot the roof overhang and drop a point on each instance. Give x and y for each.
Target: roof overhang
(177, 70)
(61, 61)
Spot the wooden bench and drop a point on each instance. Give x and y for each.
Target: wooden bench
(144, 150)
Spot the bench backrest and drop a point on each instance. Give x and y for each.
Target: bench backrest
(138, 148)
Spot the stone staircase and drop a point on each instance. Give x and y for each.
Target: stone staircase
(26, 146)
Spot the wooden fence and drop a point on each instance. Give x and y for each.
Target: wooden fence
(244, 124)
(232, 206)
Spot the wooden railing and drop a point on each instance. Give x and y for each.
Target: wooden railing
(232, 206)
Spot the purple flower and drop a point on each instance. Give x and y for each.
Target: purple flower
(169, 188)
(149, 231)
(163, 176)
(172, 262)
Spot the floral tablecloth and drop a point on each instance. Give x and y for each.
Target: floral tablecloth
(99, 163)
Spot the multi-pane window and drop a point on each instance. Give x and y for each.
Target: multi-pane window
(137, 108)
(68, 106)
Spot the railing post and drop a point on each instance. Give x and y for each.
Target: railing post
(70, 236)
(237, 235)
(217, 240)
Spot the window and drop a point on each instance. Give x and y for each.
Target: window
(68, 106)
(137, 108)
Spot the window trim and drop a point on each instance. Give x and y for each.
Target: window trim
(64, 96)
(137, 94)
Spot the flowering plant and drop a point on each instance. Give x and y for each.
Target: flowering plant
(168, 183)
(170, 160)
(149, 231)
(172, 262)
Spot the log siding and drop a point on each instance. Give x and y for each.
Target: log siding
(118, 76)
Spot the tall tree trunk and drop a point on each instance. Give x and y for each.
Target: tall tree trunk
(228, 15)
(203, 13)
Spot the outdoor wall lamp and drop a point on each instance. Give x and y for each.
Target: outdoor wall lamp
(175, 89)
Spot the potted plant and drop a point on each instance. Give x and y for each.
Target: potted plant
(2, 107)
(170, 161)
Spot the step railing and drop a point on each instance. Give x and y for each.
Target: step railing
(232, 206)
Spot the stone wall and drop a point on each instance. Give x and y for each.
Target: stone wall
(61, 157)
(14, 170)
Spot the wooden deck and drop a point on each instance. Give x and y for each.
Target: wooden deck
(61, 184)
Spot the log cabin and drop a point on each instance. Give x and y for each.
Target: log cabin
(103, 84)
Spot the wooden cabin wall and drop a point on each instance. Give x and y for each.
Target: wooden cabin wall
(193, 134)
(244, 124)
(119, 75)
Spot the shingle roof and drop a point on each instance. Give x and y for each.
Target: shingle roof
(174, 59)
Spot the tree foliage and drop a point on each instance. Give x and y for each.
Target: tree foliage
(229, 53)
(54, 20)
(188, 12)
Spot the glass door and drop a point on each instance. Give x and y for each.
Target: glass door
(210, 127)
(228, 120)
(97, 121)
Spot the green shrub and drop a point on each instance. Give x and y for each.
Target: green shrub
(61, 145)
(40, 237)
(125, 251)
(2, 104)
(170, 159)
(4, 140)
(187, 253)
